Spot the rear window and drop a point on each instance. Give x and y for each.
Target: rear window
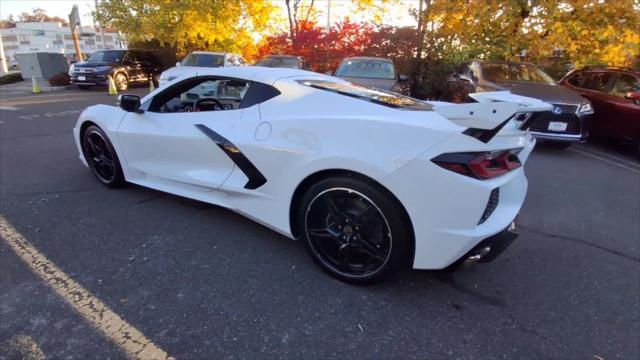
(376, 96)
(367, 69)
(280, 62)
(205, 60)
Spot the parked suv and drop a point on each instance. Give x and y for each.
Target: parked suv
(124, 66)
(566, 123)
(379, 73)
(615, 95)
(201, 59)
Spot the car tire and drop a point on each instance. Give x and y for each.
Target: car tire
(121, 81)
(84, 87)
(354, 229)
(101, 157)
(558, 145)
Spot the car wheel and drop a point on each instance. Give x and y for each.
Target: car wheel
(354, 230)
(121, 82)
(101, 157)
(84, 87)
(559, 145)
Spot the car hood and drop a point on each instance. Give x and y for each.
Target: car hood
(85, 64)
(548, 93)
(382, 84)
(177, 71)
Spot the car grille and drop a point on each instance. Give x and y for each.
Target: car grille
(539, 122)
(492, 204)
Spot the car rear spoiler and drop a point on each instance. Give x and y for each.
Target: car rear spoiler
(492, 111)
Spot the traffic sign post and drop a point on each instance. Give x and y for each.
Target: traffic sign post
(74, 24)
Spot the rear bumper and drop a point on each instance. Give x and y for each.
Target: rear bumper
(447, 209)
(490, 248)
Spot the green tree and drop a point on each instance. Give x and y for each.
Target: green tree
(187, 25)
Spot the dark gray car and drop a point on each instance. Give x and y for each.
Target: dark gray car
(566, 123)
(374, 72)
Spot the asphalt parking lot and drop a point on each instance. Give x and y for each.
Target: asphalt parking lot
(202, 282)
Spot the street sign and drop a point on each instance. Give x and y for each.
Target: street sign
(74, 17)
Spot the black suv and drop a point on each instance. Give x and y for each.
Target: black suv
(124, 66)
(564, 124)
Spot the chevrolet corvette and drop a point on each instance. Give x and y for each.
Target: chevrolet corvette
(367, 180)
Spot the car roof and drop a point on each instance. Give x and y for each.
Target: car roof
(367, 58)
(256, 73)
(616, 69)
(505, 62)
(283, 56)
(209, 52)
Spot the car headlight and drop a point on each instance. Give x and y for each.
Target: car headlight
(100, 69)
(72, 70)
(585, 107)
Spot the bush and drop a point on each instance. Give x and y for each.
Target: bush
(10, 78)
(61, 79)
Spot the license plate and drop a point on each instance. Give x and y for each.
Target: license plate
(82, 78)
(557, 126)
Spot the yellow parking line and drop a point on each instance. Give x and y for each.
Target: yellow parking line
(97, 313)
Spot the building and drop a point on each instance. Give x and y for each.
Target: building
(31, 37)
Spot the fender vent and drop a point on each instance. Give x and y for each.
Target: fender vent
(492, 204)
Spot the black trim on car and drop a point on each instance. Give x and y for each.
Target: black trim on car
(257, 94)
(486, 135)
(256, 179)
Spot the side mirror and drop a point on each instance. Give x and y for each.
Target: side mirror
(178, 63)
(466, 78)
(330, 73)
(633, 95)
(403, 78)
(129, 103)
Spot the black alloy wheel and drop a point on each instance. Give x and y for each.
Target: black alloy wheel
(353, 230)
(101, 157)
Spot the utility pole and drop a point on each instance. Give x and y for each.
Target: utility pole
(74, 24)
(104, 45)
(3, 60)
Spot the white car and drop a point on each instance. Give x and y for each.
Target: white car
(368, 180)
(200, 59)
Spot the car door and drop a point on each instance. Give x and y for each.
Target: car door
(625, 115)
(595, 86)
(133, 66)
(179, 139)
(148, 63)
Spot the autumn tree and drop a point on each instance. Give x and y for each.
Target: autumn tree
(39, 15)
(214, 25)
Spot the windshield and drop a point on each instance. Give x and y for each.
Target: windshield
(367, 69)
(280, 62)
(376, 96)
(205, 60)
(498, 73)
(106, 57)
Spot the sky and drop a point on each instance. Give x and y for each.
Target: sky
(398, 14)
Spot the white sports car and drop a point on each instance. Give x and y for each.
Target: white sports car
(368, 180)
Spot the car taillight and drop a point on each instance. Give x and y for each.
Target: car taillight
(480, 165)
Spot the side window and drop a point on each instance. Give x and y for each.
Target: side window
(576, 79)
(201, 94)
(624, 84)
(241, 61)
(597, 81)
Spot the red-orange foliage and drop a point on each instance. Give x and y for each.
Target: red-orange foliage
(324, 50)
